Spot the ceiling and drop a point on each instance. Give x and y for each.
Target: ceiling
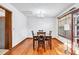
(47, 9)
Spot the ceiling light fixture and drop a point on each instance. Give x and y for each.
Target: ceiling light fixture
(40, 13)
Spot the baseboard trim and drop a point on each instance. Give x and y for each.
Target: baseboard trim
(29, 38)
(58, 40)
(52, 38)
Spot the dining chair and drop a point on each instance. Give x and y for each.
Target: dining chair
(41, 42)
(50, 32)
(34, 39)
(48, 39)
(41, 39)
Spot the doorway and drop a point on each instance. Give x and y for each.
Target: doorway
(5, 28)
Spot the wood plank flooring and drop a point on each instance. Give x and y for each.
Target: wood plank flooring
(26, 48)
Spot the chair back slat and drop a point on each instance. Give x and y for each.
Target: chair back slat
(50, 32)
(33, 33)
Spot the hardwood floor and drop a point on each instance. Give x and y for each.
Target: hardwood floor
(26, 48)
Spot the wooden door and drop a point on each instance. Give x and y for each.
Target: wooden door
(8, 30)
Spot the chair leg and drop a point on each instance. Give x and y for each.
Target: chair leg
(50, 45)
(38, 46)
(44, 46)
(49, 42)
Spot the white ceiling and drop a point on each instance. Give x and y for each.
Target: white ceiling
(50, 9)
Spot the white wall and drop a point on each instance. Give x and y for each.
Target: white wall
(19, 30)
(46, 24)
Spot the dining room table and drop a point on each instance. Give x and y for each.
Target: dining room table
(42, 38)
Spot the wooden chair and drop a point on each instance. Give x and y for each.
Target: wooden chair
(41, 39)
(41, 42)
(35, 38)
(48, 39)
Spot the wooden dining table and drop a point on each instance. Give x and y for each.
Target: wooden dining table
(41, 38)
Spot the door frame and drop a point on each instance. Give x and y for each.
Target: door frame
(8, 28)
